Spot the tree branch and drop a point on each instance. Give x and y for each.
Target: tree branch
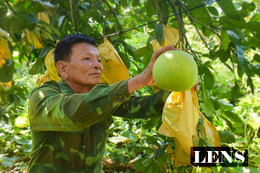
(183, 37)
(159, 11)
(114, 14)
(192, 21)
(180, 24)
(105, 22)
(187, 12)
(73, 15)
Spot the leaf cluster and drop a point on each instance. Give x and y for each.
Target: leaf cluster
(223, 36)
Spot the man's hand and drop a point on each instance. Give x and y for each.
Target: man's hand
(146, 77)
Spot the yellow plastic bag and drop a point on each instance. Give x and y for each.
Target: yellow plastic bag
(170, 36)
(210, 133)
(33, 39)
(114, 69)
(52, 73)
(4, 48)
(43, 16)
(179, 120)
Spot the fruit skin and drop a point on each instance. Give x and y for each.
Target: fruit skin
(175, 70)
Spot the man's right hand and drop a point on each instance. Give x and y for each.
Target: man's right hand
(146, 77)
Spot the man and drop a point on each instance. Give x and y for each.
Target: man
(70, 119)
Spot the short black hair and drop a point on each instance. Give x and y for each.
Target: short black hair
(63, 48)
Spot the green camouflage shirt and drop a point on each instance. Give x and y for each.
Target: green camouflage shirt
(69, 131)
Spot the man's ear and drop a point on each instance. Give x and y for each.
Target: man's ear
(62, 69)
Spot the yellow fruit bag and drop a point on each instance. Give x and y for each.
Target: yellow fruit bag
(52, 73)
(33, 39)
(114, 69)
(4, 48)
(43, 16)
(170, 36)
(179, 120)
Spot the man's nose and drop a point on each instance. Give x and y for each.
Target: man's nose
(98, 64)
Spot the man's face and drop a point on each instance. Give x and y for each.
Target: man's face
(84, 67)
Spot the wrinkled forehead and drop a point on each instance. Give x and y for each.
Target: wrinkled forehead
(83, 49)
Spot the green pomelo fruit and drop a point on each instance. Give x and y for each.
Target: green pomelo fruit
(175, 70)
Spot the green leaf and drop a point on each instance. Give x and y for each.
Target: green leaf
(239, 33)
(148, 56)
(18, 23)
(37, 67)
(209, 2)
(257, 69)
(224, 104)
(48, 4)
(230, 125)
(234, 117)
(35, 7)
(142, 149)
(159, 151)
(152, 140)
(201, 14)
(164, 7)
(255, 18)
(129, 48)
(213, 11)
(229, 9)
(7, 161)
(226, 137)
(254, 27)
(247, 8)
(252, 169)
(159, 33)
(140, 52)
(6, 73)
(152, 122)
(257, 57)
(207, 105)
(44, 51)
(60, 20)
(32, 18)
(4, 20)
(47, 35)
(234, 37)
(125, 59)
(235, 91)
(230, 23)
(252, 42)
(208, 78)
(241, 60)
(150, 7)
(223, 55)
(250, 83)
(55, 30)
(224, 38)
(135, 3)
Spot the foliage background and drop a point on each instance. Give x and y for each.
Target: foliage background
(223, 36)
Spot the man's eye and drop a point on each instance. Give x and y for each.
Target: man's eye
(87, 58)
(99, 60)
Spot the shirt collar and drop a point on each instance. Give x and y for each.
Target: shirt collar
(64, 87)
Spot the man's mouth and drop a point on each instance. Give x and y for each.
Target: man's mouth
(96, 74)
